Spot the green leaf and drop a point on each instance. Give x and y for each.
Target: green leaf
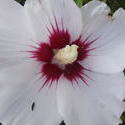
(80, 3)
(21, 1)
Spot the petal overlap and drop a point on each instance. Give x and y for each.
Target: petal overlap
(110, 33)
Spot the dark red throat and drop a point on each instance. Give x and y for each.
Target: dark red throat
(59, 38)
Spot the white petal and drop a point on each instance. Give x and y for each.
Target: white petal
(13, 21)
(15, 82)
(103, 64)
(115, 47)
(95, 18)
(110, 33)
(99, 103)
(44, 12)
(20, 87)
(45, 109)
(15, 36)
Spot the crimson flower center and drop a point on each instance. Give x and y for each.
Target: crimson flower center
(60, 57)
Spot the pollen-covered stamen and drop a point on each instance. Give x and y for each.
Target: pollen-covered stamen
(66, 55)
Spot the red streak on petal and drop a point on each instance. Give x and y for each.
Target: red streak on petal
(51, 72)
(59, 38)
(74, 71)
(43, 53)
(84, 48)
(82, 52)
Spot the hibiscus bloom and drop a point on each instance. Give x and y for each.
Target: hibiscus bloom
(61, 63)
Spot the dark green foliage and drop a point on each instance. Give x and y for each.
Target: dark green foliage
(80, 3)
(21, 1)
(123, 118)
(114, 4)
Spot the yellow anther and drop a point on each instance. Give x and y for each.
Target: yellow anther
(67, 55)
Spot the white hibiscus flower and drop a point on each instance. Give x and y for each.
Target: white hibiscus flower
(59, 62)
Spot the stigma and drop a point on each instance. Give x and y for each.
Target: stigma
(66, 55)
